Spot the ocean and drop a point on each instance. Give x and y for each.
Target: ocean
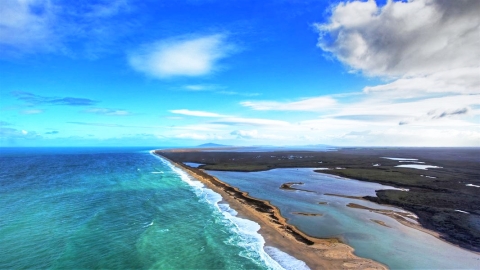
(122, 208)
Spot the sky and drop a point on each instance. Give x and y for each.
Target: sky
(184, 73)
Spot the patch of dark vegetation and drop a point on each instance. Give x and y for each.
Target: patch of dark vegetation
(288, 186)
(298, 236)
(433, 200)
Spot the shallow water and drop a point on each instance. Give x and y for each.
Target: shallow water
(419, 167)
(117, 209)
(193, 164)
(399, 247)
(400, 159)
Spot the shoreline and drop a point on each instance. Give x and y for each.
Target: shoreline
(317, 253)
(400, 217)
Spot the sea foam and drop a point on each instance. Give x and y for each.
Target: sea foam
(245, 232)
(286, 261)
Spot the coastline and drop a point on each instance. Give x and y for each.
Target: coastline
(437, 202)
(317, 253)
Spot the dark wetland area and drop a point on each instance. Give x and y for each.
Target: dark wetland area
(446, 199)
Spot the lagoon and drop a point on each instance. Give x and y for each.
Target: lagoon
(397, 246)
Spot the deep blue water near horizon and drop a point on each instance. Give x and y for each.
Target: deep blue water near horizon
(65, 208)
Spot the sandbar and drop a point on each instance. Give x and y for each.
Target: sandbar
(307, 214)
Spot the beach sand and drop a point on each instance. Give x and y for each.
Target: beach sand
(316, 253)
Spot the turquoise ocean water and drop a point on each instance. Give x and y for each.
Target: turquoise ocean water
(66, 208)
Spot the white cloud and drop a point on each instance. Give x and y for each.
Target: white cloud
(196, 113)
(426, 50)
(32, 111)
(181, 56)
(461, 80)
(404, 38)
(197, 127)
(308, 104)
(107, 8)
(198, 136)
(217, 89)
(414, 137)
(239, 121)
(9, 135)
(28, 26)
(245, 134)
(198, 87)
(408, 106)
(254, 134)
(105, 111)
(20, 27)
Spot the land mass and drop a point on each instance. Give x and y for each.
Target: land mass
(317, 253)
(446, 199)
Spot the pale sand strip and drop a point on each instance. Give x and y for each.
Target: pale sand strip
(316, 253)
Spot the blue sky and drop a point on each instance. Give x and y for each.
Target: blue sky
(182, 73)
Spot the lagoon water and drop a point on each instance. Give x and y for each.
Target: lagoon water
(399, 247)
(417, 166)
(66, 208)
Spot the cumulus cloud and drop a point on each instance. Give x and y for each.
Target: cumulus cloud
(196, 113)
(427, 53)
(403, 38)
(307, 104)
(181, 56)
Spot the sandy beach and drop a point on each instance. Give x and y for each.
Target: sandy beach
(315, 252)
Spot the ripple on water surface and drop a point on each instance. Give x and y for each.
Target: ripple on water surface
(90, 208)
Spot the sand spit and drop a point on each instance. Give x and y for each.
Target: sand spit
(380, 223)
(307, 214)
(315, 252)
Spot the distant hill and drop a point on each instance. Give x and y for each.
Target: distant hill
(212, 145)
